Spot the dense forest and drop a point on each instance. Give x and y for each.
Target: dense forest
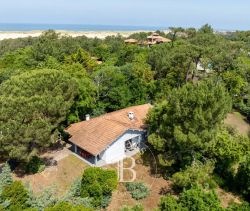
(193, 82)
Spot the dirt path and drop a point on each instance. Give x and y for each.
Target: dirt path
(227, 198)
(57, 155)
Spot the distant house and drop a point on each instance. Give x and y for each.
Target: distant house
(201, 67)
(131, 41)
(157, 39)
(153, 39)
(110, 137)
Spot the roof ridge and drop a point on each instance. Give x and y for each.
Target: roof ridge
(113, 112)
(127, 108)
(118, 122)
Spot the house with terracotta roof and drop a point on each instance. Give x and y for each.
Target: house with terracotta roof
(110, 137)
(131, 41)
(152, 39)
(155, 38)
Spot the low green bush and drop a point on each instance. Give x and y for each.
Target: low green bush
(138, 190)
(198, 198)
(242, 179)
(137, 207)
(35, 165)
(197, 174)
(244, 109)
(193, 199)
(106, 201)
(98, 184)
(73, 196)
(65, 206)
(244, 206)
(169, 203)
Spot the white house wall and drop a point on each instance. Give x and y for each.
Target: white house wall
(116, 151)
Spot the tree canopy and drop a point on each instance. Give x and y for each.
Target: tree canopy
(33, 104)
(183, 125)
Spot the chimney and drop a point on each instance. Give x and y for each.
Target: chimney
(131, 115)
(87, 117)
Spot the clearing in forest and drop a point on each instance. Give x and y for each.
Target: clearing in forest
(239, 122)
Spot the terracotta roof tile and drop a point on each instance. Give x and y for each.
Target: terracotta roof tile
(98, 133)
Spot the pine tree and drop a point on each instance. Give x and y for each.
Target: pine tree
(44, 199)
(16, 194)
(5, 176)
(182, 126)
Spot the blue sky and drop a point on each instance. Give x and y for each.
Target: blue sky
(221, 14)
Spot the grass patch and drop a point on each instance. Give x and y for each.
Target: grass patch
(239, 115)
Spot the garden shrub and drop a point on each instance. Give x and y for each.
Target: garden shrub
(169, 203)
(16, 194)
(75, 188)
(138, 190)
(244, 206)
(95, 191)
(45, 198)
(98, 184)
(137, 207)
(1, 208)
(193, 199)
(65, 206)
(244, 109)
(35, 165)
(243, 177)
(197, 198)
(73, 196)
(197, 174)
(106, 201)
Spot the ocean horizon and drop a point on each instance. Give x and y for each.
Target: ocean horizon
(6, 27)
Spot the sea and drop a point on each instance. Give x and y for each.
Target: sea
(8, 27)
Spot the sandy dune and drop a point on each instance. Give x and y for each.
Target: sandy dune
(90, 34)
